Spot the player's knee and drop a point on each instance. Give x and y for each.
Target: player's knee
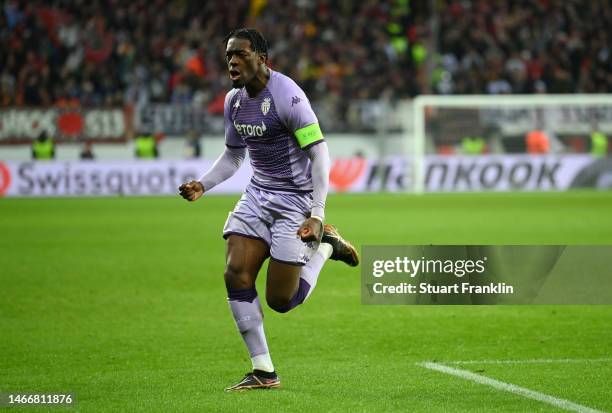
(237, 279)
(279, 306)
(278, 302)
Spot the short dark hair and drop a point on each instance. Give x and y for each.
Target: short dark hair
(258, 43)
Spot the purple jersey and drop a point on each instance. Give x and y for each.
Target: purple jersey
(275, 126)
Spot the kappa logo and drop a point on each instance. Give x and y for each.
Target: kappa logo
(265, 106)
(295, 100)
(250, 130)
(237, 104)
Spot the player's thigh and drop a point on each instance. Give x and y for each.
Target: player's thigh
(244, 257)
(282, 280)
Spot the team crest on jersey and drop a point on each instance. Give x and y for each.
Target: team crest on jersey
(265, 106)
(237, 104)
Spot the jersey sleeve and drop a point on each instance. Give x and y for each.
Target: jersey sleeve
(232, 138)
(297, 115)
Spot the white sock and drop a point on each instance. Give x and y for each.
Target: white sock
(310, 272)
(262, 362)
(325, 249)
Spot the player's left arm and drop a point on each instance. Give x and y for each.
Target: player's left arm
(297, 115)
(312, 228)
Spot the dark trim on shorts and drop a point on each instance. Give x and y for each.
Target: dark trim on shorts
(235, 146)
(240, 234)
(272, 189)
(297, 264)
(310, 145)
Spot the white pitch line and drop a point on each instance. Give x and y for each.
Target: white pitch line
(531, 361)
(500, 385)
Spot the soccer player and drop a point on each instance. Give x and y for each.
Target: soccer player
(281, 212)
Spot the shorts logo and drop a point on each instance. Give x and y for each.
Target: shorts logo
(250, 130)
(265, 106)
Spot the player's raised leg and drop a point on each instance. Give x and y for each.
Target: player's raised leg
(296, 255)
(244, 258)
(289, 285)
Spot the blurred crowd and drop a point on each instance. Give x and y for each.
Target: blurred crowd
(524, 46)
(110, 52)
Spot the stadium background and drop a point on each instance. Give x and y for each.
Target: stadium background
(120, 301)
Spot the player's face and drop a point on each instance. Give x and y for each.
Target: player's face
(242, 61)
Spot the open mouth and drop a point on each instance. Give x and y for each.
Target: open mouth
(234, 74)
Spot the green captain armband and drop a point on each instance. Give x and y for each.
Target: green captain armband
(308, 134)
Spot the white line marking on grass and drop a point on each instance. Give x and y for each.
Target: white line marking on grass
(500, 385)
(531, 361)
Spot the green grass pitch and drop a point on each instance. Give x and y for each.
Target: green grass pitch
(121, 301)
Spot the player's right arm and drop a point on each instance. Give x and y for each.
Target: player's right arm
(224, 168)
(226, 165)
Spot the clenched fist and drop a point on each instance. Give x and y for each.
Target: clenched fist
(311, 230)
(191, 190)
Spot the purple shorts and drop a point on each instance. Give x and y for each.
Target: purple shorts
(274, 218)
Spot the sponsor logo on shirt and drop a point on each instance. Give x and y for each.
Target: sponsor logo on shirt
(265, 106)
(250, 130)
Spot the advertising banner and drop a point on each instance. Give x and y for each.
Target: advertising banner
(22, 125)
(122, 178)
(441, 174)
(558, 120)
(473, 173)
(175, 119)
(502, 173)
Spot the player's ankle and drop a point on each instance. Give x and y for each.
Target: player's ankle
(263, 362)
